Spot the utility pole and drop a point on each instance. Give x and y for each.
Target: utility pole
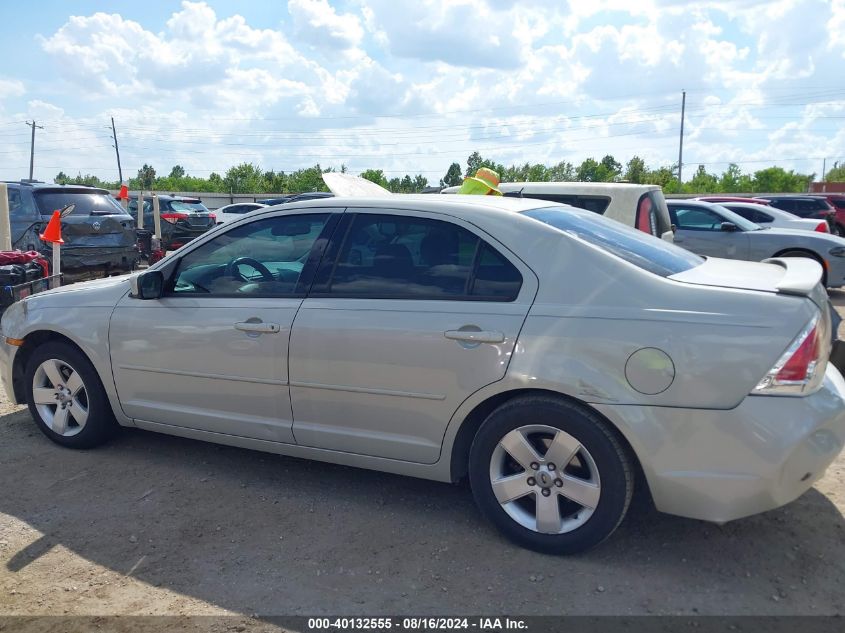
(116, 150)
(681, 146)
(32, 146)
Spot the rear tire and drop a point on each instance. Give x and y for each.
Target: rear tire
(66, 398)
(550, 474)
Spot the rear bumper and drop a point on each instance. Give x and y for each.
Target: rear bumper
(723, 465)
(119, 259)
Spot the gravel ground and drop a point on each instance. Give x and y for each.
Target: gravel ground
(151, 524)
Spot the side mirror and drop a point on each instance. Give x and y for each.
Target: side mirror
(147, 285)
(729, 226)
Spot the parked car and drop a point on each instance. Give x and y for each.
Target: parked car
(514, 342)
(770, 217)
(837, 201)
(710, 229)
(234, 211)
(805, 207)
(640, 206)
(296, 197)
(183, 219)
(99, 235)
(723, 199)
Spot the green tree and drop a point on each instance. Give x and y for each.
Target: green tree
(377, 176)
(564, 171)
(609, 169)
(453, 176)
(588, 171)
(731, 180)
(305, 180)
(177, 172)
(146, 177)
(635, 170)
(702, 182)
(476, 162)
(836, 173)
(779, 180)
(244, 178)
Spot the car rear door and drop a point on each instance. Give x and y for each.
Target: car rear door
(211, 354)
(409, 314)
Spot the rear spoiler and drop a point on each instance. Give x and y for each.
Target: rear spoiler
(801, 274)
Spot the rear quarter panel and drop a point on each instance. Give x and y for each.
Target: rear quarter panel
(598, 310)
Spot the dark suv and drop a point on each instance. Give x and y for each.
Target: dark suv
(182, 219)
(804, 207)
(99, 235)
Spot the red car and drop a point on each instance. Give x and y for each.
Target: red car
(837, 201)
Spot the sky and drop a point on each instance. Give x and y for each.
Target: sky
(410, 87)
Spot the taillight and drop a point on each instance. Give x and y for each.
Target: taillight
(800, 369)
(173, 218)
(823, 227)
(213, 217)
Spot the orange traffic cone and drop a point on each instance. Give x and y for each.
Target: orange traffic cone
(53, 233)
(123, 194)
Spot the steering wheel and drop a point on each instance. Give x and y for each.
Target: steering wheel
(232, 269)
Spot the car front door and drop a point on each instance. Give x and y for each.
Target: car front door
(211, 353)
(699, 229)
(409, 315)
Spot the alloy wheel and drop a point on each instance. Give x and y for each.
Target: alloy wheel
(545, 479)
(60, 397)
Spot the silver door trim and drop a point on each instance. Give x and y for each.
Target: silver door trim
(196, 374)
(379, 392)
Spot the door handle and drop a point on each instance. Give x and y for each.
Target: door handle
(261, 328)
(475, 336)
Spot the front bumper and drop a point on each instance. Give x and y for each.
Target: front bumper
(723, 465)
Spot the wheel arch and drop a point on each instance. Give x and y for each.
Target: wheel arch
(459, 458)
(31, 342)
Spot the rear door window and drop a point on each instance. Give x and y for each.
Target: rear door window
(401, 257)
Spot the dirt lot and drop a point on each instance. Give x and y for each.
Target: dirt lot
(158, 525)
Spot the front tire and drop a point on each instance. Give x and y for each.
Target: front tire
(66, 398)
(550, 474)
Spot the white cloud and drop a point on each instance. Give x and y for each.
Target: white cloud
(318, 23)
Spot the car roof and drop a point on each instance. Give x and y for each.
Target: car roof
(473, 208)
(580, 186)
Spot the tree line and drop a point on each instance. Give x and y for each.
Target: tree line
(249, 178)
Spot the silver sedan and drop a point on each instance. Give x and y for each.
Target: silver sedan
(545, 353)
(713, 230)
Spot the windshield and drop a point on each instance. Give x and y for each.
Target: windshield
(182, 206)
(641, 249)
(86, 202)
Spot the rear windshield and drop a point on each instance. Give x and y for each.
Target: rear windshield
(636, 247)
(182, 206)
(85, 203)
